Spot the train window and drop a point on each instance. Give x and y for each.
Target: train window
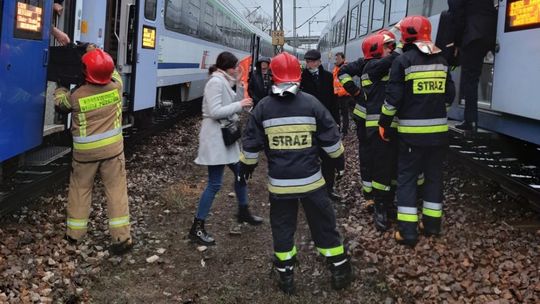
(398, 10)
(183, 16)
(377, 15)
(437, 7)
(150, 7)
(29, 20)
(416, 7)
(228, 41)
(342, 27)
(363, 17)
(191, 16)
(353, 22)
(220, 31)
(207, 31)
(173, 11)
(234, 35)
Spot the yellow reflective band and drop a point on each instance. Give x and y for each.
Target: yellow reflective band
(366, 82)
(420, 181)
(291, 128)
(338, 152)
(247, 161)
(77, 224)
(359, 113)
(98, 144)
(404, 217)
(117, 222)
(345, 79)
(427, 74)
(64, 101)
(99, 100)
(290, 141)
(296, 189)
(385, 78)
(330, 252)
(385, 111)
(423, 129)
(429, 86)
(82, 124)
(284, 256)
(431, 212)
(117, 123)
(372, 123)
(117, 78)
(367, 189)
(380, 186)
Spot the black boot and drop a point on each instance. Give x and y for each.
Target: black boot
(285, 275)
(341, 270)
(121, 247)
(467, 126)
(430, 226)
(199, 235)
(379, 216)
(245, 216)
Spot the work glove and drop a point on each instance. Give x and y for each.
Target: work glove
(386, 134)
(246, 171)
(340, 167)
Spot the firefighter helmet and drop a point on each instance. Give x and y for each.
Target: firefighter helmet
(285, 68)
(389, 38)
(373, 46)
(98, 67)
(417, 30)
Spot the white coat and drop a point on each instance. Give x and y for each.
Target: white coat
(220, 101)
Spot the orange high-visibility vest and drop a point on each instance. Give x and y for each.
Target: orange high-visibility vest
(338, 87)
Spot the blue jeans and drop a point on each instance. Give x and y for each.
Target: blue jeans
(215, 180)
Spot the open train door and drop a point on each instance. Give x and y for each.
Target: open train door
(145, 66)
(516, 67)
(24, 43)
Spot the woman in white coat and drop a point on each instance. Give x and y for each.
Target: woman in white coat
(221, 104)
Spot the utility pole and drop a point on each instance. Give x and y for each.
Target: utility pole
(278, 22)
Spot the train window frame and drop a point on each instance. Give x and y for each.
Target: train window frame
(373, 28)
(342, 30)
(360, 19)
(392, 22)
(207, 22)
(353, 25)
(25, 34)
(152, 13)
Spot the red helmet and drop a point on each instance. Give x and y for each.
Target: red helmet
(285, 68)
(98, 67)
(389, 38)
(373, 46)
(415, 28)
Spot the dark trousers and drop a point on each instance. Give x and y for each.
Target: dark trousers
(320, 217)
(365, 159)
(413, 160)
(328, 169)
(384, 169)
(472, 60)
(344, 103)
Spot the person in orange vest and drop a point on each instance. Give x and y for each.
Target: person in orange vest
(98, 145)
(344, 99)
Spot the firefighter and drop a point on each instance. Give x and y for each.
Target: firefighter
(343, 98)
(291, 127)
(420, 86)
(379, 55)
(96, 126)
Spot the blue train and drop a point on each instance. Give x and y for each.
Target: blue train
(508, 102)
(162, 49)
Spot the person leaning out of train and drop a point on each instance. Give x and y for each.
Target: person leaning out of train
(260, 82)
(61, 37)
(418, 91)
(220, 108)
(98, 145)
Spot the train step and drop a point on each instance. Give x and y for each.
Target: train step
(45, 155)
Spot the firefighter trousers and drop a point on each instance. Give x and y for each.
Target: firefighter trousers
(365, 160)
(320, 218)
(113, 175)
(384, 170)
(412, 161)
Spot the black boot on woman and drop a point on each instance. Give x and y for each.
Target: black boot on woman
(245, 216)
(199, 235)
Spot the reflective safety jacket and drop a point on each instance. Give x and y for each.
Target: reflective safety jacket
(374, 80)
(96, 119)
(291, 130)
(339, 90)
(418, 91)
(345, 76)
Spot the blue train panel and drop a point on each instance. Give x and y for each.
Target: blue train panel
(24, 41)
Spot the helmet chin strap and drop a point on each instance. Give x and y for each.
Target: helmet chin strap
(286, 88)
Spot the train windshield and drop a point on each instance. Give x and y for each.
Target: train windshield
(522, 15)
(29, 19)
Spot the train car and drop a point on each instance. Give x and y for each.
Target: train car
(162, 49)
(507, 101)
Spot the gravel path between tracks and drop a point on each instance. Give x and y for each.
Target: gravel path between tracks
(489, 253)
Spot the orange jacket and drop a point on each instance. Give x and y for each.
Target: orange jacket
(338, 87)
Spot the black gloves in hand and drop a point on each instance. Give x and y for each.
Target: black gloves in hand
(246, 171)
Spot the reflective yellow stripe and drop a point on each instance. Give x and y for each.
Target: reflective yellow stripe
(82, 124)
(296, 189)
(366, 82)
(330, 252)
(427, 74)
(367, 189)
(359, 113)
(420, 181)
(99, 100)
(338, 152)
(117, 122)
(287, 255)
(431, 212)
(380, 186)
(386, 78)
(388, 112)
(117, 78)
(407, 217)
(64, 100)
(77, 224)
(372, 123)
(247, 161)
(98, 144)
(291, 128)
(117, 222)
(423, 129)
(345, 79)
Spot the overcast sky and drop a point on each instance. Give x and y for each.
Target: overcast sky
(309, 8)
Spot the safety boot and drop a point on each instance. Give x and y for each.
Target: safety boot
(379, 216)
(244, 216)
(340, 267)
(199, 235)
(404, 239)
(284, 271)
(121, 247)
(430, 226)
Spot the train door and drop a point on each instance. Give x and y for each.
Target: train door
(516, 62)
(145, 67)
(24, 41)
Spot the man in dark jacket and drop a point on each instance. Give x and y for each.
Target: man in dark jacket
(475, 29)
(320, 83)
(260, 82)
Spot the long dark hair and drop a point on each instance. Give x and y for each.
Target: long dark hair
(226, 60)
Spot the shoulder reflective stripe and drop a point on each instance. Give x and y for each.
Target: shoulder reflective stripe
(407, 210)
(330, 252)
(433, 206)
(426, 67)
(97, 144)
(295, 181)
(77, 224)
(82, 124)
(385, 78)
(287, 255)
(421, 75)
(380, 186)
(117, 222)
(423, 130)
(293, 120)
(413, 218)
(96, 137)
(290, 129)
(423, 122)
(252, 159)
(432, 213)
(99, 100)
